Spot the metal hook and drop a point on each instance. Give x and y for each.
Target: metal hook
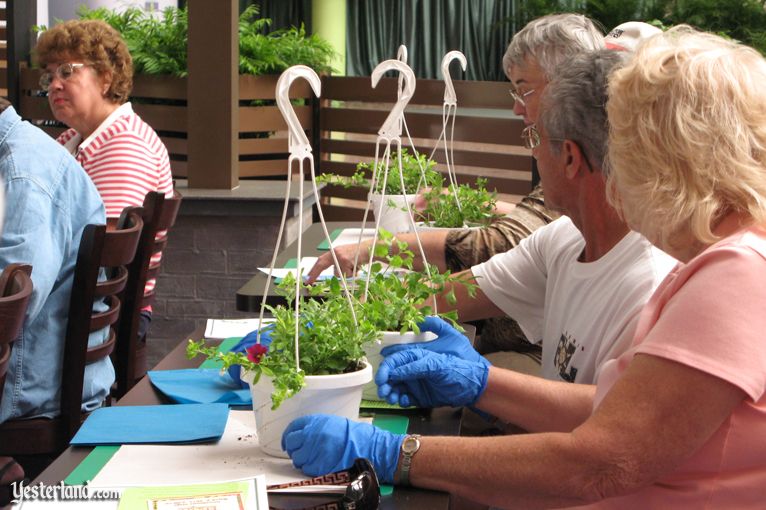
(298, 142)
(449, 90)
(391, 128)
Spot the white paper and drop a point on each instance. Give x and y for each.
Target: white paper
(235, 457)
(351, 236)
(305, 265)
(227, 328)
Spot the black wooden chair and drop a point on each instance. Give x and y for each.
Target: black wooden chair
(129, 357)
(99, 248)
(15, 291)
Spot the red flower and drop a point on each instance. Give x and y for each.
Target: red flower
(256, 352)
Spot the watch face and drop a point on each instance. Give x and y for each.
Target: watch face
(410, 444)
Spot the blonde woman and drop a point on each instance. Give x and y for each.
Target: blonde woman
(679, 420)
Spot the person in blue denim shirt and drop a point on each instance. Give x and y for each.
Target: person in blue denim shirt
(49, 199)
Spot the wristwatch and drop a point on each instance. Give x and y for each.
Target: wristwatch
(410, 447)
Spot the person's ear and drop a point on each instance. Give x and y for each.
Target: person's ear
(106, 82)
(573, 159)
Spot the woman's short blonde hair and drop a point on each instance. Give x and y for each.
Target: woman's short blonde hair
(687, 140)
(93, 42)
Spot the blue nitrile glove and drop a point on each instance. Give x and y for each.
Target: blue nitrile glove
(429, 379)
(248, 341)
(322, 443)
(449, 341)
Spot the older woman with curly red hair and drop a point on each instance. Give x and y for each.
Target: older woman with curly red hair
(88, 73)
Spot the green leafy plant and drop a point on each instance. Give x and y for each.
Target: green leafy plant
(418, 172)
(477, 205)
(331, 342)
(399, 301)
(158, 45)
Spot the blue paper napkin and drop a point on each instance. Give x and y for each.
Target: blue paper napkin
(200, 386)
(191, 423)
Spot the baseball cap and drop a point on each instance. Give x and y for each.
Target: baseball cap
(627, 36)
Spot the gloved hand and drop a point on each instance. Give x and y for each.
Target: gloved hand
(321, 443)
(243, 345)
(449, 341)
(429, 379)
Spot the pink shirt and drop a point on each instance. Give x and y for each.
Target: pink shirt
(710, 314)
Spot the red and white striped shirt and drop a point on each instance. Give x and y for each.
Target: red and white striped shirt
(125, 159)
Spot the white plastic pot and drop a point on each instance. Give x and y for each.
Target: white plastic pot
(374, 357)
(338, 394)
(394, 219)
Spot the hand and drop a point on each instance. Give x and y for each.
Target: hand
(345, 254)
(449, 341)
(421, 202)
(248, 341)
(429, 379)
(321, 443)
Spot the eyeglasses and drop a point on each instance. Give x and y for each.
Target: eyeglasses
(362, 487)
(62, 72)
(530, 136)
(520, 98)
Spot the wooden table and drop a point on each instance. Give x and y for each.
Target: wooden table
(442, 421)
(250, 294)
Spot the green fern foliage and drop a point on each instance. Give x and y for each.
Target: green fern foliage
(158, 45)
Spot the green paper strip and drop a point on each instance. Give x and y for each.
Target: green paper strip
(224, 346)
(91, 465)
(325, 245)
(396, 425)
(290, 264)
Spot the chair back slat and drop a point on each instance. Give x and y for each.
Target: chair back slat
(101, 351)
(120, 245)
(159, 245)
(114, 285)
(107, 318)
(169, 211)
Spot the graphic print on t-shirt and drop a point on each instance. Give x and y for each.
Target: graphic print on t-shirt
(564, 352)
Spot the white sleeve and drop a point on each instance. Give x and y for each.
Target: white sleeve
(515, 281)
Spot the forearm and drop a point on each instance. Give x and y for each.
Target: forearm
(534, 403)
(469, 308)
(523, 471)
(433, 248)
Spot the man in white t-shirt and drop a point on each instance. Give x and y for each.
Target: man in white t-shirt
(577, 284)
